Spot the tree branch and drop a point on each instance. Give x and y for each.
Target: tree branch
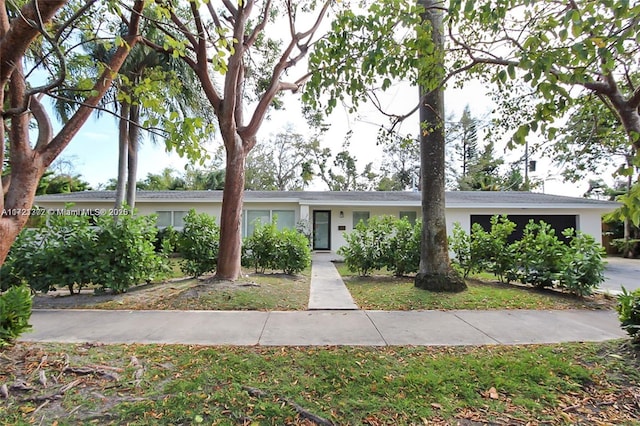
(62, 139)
(22, 32)
(45, 130)
(275, 84)
(231, 8)
(260, 27)
(634, 100)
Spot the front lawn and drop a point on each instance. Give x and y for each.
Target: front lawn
(385, 292)
(268, 292)
(595, 383)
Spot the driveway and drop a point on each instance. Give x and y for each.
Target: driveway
(621, 272)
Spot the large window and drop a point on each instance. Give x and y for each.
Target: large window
(285, 219)
(360, 216)
(173, 218)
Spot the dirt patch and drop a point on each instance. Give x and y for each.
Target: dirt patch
(89, 298)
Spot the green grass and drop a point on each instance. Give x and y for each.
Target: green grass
(384, 292)
(191, 384)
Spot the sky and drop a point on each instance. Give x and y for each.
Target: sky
(94, 151)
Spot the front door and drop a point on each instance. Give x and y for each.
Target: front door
(322, 230)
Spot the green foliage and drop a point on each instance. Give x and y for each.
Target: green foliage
(199, 243)
(629, 313)
(383, 242)
(489, 251)
(15, 311)
(539, 258)
(582, 264)
(366, 246)
(460, 245)
(260, 248)
(363, 50)
(539, 255)
(60, 253)
(293, 253)
(268, 248)
(124, 251)
(25, 263)
(630, 208)
(403, 247)
(167, 240)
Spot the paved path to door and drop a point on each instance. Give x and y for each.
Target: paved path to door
(328, 291)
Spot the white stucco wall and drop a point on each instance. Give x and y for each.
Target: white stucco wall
(588, 221)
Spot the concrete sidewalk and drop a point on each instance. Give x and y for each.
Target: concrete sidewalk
(320, 328)
(332, 319)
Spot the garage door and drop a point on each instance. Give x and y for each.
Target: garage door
(558, 222)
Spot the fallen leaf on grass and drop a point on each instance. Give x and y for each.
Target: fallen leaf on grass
(493, 393)
(436, 406)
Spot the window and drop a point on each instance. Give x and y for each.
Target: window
(411, 216)
(170, 218)
(255, 216)
(164, 219)
(286, 219)
(178, 218)
(360, 216)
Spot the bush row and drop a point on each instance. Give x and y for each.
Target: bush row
(267, 248)
(116, 253)
(383, 242)
(539, 258)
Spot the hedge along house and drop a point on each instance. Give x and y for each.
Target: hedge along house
(328, 215)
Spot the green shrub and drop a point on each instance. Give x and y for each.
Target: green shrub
(125, 254)
(484, 250)
(539, 255)
(367, 245)
(402, 255)
(70, 251)
(198, 244)
(60, 253)
(460, 245)
(629, 313)
(268, 248)
(15, 311)
(260, 247)
(582, 265)
(293, 254)
(167, 240)
(23, 264)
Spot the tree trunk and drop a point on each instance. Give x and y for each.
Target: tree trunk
(435, 273)
(229, 256)
(123, 147)
(132, 175)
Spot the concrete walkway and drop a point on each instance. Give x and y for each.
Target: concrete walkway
(332, 319)
(327, 290)
(311, 328)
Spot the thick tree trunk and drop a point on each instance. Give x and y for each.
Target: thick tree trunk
(123, 150)
(435, 273)
(229, 256)
(19, 201)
